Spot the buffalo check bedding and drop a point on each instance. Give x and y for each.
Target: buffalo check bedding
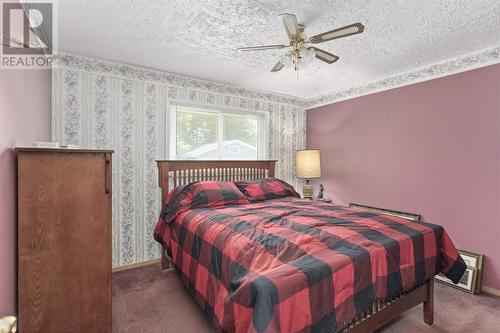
(297, 265)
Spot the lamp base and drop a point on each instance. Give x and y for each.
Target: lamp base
(307, 191)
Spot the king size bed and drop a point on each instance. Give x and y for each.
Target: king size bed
(257, 258)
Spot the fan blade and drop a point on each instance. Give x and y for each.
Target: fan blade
(348, 30)
(324, 56)
(263, 47)
(279, 66)
(291, 25)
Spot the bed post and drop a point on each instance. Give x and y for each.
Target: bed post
(429, 303)
(163, 183)
(270, 168)
(164, 261)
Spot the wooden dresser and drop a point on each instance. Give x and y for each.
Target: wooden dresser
(64, 240)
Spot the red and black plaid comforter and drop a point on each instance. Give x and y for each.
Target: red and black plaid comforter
(295, 265)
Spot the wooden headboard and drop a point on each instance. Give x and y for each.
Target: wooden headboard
(181, 172)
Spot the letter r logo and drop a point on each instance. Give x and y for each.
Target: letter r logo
(28, 29)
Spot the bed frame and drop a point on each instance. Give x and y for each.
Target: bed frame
(173, 173)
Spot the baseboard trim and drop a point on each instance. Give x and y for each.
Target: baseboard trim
(491, 291)
(136, 265)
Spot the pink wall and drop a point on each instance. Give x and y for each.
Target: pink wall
(24, 118)
(431, 148)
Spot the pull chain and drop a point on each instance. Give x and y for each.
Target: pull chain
(297, 68)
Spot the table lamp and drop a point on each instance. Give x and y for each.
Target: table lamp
(308, 167)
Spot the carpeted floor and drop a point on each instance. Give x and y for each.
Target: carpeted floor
(148, 300)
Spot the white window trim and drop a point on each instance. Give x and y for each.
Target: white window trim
(263, 123)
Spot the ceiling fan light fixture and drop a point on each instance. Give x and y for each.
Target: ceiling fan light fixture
(307, 56)
(302, 53)
(288, 59)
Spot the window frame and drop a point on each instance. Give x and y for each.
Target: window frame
(261, 116)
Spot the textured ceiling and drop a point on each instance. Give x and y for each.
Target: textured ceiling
(198, 38)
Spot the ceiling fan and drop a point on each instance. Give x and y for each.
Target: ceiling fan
(301, 53)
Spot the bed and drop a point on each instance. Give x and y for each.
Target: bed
(296, 265)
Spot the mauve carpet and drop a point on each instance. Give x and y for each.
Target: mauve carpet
(148, 300)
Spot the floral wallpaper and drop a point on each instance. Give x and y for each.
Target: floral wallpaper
(100, 104)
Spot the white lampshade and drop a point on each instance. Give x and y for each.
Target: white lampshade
(308, 163)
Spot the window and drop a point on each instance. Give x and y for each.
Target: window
(209, 134)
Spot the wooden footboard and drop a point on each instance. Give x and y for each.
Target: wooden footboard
(383, 312)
